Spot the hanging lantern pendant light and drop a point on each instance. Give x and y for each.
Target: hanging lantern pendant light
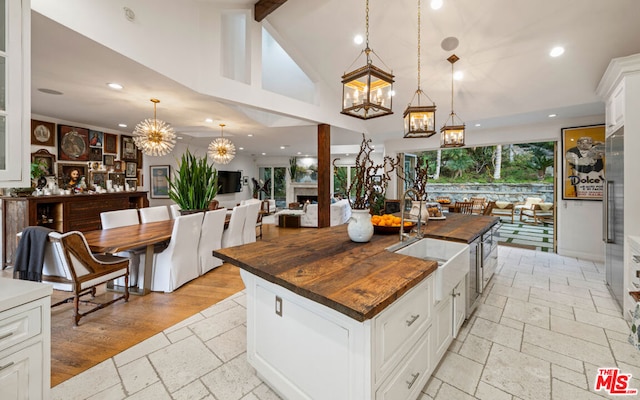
(452, 135)
(367, 91)
(419, 121)
(154, 137)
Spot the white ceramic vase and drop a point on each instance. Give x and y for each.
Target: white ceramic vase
(360, 227)
(415, 210)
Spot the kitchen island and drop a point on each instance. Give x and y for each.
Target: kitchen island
(328, 318)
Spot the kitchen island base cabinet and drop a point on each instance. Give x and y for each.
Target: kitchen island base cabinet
(305, 350)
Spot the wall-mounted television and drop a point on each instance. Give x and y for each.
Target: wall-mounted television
(229, 182)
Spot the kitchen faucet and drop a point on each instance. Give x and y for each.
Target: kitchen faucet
(404, 235)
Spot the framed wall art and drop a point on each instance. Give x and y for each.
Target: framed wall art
(583, 170)
(128, 149)
(117, 166)
(130, 169)
(73, 143)
(43, 133)
(133, 183)
(95, 139)
(108, 160)
(139, 158)
(110, 143)
(160, 175)
(117, 178)
(98, 178)
(45, 158)
(70, 175)
(95, 154)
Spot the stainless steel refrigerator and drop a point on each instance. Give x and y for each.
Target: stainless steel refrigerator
(613, 214)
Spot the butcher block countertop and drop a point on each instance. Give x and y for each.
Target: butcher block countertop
(356, 279)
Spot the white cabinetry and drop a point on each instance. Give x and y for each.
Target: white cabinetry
(615, 110)
(633, 269)
(25, 340)
(305, 350)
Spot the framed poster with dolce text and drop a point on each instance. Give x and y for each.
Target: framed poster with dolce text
(160, 175)
(583, 156)
(43, 133)
(128, 149)
(73, 143)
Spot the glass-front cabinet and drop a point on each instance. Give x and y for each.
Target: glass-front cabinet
(15, 101)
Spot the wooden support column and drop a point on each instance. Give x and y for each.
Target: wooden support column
(325, 170)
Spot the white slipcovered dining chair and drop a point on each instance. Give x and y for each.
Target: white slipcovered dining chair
(175, 211)
(232, 236)
(154, 214)
(178, 263)
(249, 228)
(211, 239)
(116, 219)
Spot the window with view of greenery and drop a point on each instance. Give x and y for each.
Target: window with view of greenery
(514, 163)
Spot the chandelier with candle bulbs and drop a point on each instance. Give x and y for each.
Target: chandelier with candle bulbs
(452, 133)
(419, 119)
(367, 91)
(221, 150)
(153, 136)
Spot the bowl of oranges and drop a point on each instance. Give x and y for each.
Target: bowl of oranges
(388, 224)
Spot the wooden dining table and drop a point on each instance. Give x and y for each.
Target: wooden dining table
(130, 237)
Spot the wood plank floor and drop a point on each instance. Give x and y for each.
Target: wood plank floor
(107, 332)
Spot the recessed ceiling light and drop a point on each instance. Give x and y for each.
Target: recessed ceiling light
(240, 148)
(358, 39)
(299, 152)
(250, 135)
(115, 86)
(264, 154)
(50, 91)
(122, 125)
(282, 147)
(209, 120)
(478, 125)
(436, 4)
(179, 137)
(556, 51)
(458, 75)
(347, 154)
(553, 115)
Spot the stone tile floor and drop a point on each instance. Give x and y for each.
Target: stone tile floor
(544, 327)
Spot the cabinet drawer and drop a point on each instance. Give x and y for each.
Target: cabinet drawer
(19, 324)
(398, 327)
(411, 375)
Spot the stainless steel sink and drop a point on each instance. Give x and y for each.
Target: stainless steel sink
(452, 258)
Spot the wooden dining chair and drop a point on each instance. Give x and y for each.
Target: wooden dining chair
(178, 263)
(154, 214)
(464, 207)
(69, 265)
(211, 239)
(232, 236)
(478, 205)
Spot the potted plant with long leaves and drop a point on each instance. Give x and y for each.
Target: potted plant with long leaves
(194, 185)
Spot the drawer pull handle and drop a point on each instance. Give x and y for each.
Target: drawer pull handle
(636, 259)
(412, 320)
(6, 335)
(415, 378)
(6, 366)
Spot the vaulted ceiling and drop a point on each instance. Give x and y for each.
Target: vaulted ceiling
(509, 77)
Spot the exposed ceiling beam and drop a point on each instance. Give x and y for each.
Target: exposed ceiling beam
(265, 7)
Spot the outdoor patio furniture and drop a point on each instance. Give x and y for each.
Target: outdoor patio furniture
(529, 201)
(478, 205)
(503, 209)
(464, 207)
(541, 212)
